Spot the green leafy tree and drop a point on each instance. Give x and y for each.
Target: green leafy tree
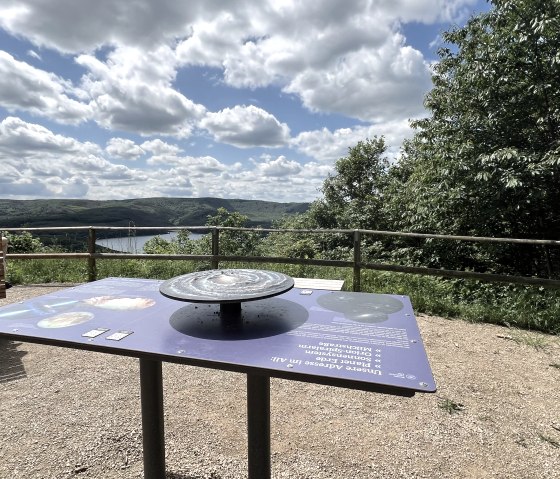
(353, 198)
(24, 243)
(239, 243)
(487, 160)
(242, 243)
(353, 195)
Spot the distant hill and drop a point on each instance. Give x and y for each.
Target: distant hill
(137, 212)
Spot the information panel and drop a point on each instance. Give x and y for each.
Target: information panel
(357, 340)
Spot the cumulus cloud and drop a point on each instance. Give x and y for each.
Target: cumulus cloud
(246, 126)
(347, 61)
(278, 167)
(189, 165)
(336, 57)
(123, 148)
(36, 159)
(39, 163)
(132, 91)
(377, 85)
(159, 147)
(429, 11)
(82, 25)
(327, 146)
(29, 140)
(24, 87)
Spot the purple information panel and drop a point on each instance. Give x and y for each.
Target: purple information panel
(356, 340)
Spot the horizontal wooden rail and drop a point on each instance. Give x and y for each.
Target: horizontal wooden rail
(398, 234)
(357, 263)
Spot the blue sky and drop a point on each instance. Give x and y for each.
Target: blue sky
(237, 99)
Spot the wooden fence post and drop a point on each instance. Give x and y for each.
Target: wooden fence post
(356, 281)
(92, 267)
(215, 247)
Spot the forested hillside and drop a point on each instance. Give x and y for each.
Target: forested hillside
(138, 212)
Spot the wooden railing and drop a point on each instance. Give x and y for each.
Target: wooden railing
(357, 263)
(3, 248)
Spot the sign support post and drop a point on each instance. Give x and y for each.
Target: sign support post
(258, 426)
(151, 396)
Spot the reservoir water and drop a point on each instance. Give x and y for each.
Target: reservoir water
(135, 244)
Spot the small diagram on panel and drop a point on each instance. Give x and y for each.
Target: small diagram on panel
(364, 308)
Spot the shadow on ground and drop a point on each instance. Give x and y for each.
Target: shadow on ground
(11, 365)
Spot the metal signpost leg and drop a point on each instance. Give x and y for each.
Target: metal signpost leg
(258, 426)
(151, 397)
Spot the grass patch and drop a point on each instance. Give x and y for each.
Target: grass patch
(450, 406)
(523, 307)
(537, 342)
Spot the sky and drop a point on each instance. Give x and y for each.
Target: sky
(239, 99)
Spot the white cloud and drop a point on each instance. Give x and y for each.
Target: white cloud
(278, 167)
(347, 58)
(24, 87)
(34, 54)
(39, 163)
(326, 146)
(337, 57)
(132, 91)
(429, 11)
(189, 165)
(82, 25)
(246, 126)
(51, 165)
(123, 148)
(376, 85)
(29, 140)
(159, 147)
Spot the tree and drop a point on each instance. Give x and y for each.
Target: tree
(352, 199)
(241, 243)
(487, 160)
(353, 196)
(24, 243)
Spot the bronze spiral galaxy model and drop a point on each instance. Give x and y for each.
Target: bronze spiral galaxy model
(227, 287)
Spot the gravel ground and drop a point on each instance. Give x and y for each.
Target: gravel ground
(66, 413)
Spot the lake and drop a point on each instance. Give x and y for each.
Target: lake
(135, 244)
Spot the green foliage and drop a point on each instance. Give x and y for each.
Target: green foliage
(37, 271)
(487, 160)
(237, 243)
(518, 306)
(450, 406)
(353, 196)
(23, 243)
